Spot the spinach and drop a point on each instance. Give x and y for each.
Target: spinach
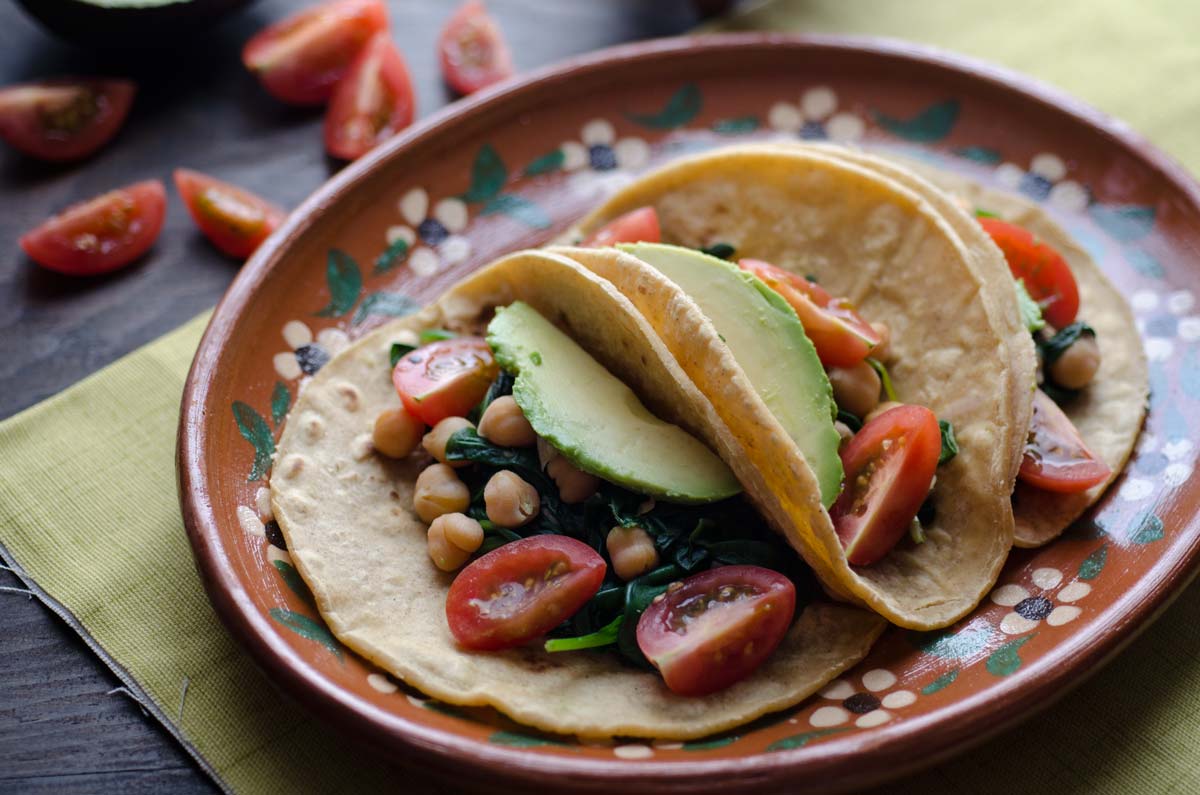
(851, 421)
(1059, 394)
(884, 378)
(605, 636)
(1030, 310)
(639, 593)
(927, 512)
(1057, 345)
(434, 335)
(981, 213)
(398, 352)
(719, 250)
(503, 385)
(949, 443)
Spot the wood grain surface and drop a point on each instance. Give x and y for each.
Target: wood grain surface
(61, 729)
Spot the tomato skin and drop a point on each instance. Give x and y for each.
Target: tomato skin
(1056, 457)
(728, 639)
(300, 59)
(234, 220)
(871, 521)
(100, 235)
(840, 335)
(446, 378)
(636, 226)
(64, 119)
(1046, 274)
(489, 608)
(372, 103)
(472, 50)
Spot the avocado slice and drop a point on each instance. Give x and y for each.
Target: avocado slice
(767, 340)
(595, 420)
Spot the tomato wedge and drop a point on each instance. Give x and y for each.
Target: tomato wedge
(521, 591)
(840, 335)
(889, 465)
(100, 235)
(64, 119)
(1047, 276)
(446, 378)
(715, 628)
(372, 103)
(300, 59)
(472, 50)
(635, 226)
(1056, 457)
(235, 220)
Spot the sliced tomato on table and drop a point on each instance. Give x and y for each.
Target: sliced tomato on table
(64, 119)
(1056, 457)
(235, 220)
(1045, 272)
(522, 590)
(446, 378)
(372, 103)
(300, 59)
(889, 467)
(100, 235)
(716, 627)
(840, 335)
(472, 50)
(635, 226)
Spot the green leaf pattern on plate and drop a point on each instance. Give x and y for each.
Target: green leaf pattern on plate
(281, 399)
(1093, 564)
(941, 683)
(293, 580)
(488, 175)
(546, 164)
(519, 208)
(391, 256)
(682, 107)
(387, 304)
(306, 627)
(931, 124)
(1007, 659)
(345, 282)
(254, 429)
(801, 740)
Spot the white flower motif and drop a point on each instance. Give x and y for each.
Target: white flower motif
(871, 709)
(816, 117)
(1044, 182)
(1028, 609)
(1159, 349)
(1180, 302)
(1144, 301)
(434, 239)
(599, 149)
(307, 355)
(382, 683)
(1135, 489)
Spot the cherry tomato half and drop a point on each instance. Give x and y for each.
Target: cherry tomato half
(235, 220)
(1056, 457)
(300, 59)
(64, 119)
(100, 235)
(1047, 276)
(472, 50)
(522, 590)
(840, 335)
(889, 467)
(716, 627)
(446, 378)
(635, 226)
(372, 103)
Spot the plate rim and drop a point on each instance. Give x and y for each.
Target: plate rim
(852, 761)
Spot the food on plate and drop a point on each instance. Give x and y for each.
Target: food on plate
(568, 522)
(302, 58)
(100, 235)
(64, 119)
(373, 101)
(472, 50)
(235, 220)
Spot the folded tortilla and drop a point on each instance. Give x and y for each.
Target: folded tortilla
(346, 513)
(957, 350)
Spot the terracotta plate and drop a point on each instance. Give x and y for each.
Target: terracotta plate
(513, 167)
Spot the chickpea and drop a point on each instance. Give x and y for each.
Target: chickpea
(509, 500)
(574, 485)
(434, 442)
(438, 491)
(396, 432)
(452, 538)
(883, 349)
(843, 431)
(886, 405)
(1077, 365)
(632, 551)
(504, 423)
(855, 389)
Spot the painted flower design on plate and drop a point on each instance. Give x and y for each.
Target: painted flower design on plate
(308, 353)
(816, 117)
(434, 236)
(599, 149)
(869, 701)
(1046, 601)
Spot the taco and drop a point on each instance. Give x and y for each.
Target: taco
(843, 230)
(588, 446)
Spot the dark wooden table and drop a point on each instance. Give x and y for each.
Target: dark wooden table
(60, 730)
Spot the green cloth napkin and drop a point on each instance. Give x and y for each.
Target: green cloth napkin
(88, 507)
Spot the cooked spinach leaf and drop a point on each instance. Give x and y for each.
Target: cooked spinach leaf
(949, 443)
(886, 379)
(852, 422)
(719, 250)
(1031, 311)
(1057, 345)
(399, 351)
(605, 636)
(434, 334)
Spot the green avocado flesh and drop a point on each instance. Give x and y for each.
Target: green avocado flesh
(765, 337)
(597, 422)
